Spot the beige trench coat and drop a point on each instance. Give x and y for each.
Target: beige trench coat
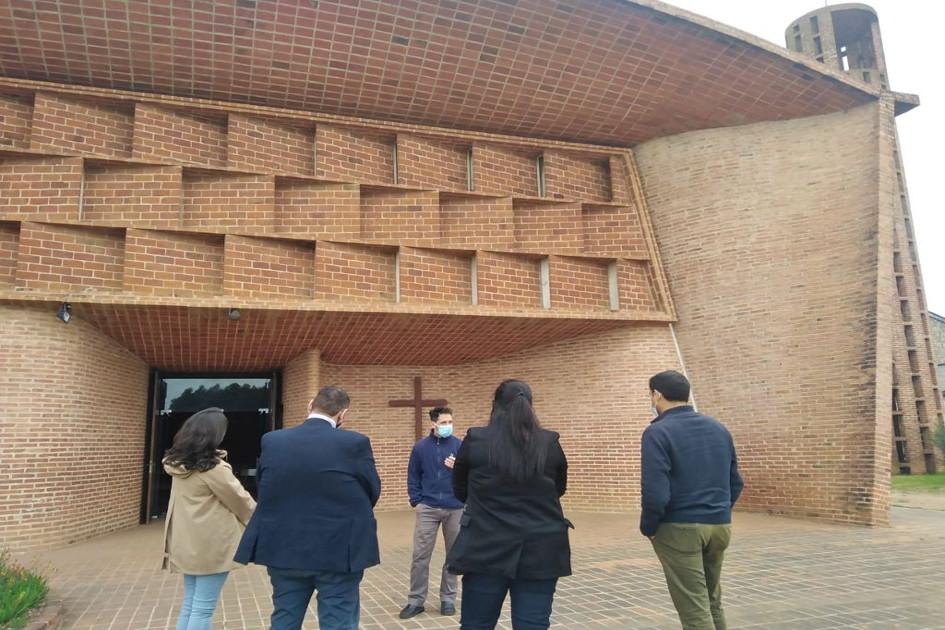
(207, 514)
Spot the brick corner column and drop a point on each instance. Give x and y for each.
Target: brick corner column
(301, 376)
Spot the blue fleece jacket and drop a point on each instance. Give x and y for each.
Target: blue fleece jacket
(689, 471)
(429, 481)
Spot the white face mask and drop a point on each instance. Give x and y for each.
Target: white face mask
(654, 411)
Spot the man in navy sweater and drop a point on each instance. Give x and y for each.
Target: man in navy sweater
(430, 488)
(690, 482)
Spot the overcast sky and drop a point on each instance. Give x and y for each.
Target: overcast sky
(911, 32)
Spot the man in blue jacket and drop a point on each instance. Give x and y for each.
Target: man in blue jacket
(430, 488)
(690, 482)
(314, 525)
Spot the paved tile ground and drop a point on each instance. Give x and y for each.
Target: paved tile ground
(780, 574)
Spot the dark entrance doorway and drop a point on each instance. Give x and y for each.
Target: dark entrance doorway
(250, 402)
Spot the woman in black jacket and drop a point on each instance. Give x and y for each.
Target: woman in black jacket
(513, 536)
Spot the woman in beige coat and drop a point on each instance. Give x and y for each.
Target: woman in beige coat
(205, 519)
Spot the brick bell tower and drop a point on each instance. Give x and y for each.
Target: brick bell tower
(847, 38)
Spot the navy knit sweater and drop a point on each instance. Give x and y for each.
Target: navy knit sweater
(429, 481)
(689, 471)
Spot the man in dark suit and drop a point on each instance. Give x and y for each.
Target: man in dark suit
(314, 526)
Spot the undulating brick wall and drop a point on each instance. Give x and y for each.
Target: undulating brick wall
(603, 474)
(69, 258)
(318, 210)
(40, 188)
(221, 200)
(570, 176)
(73, 404)
(432, 163)
(352, 155)
(74, 125)
(261, 144)
(549, 226)
(510, 280)
(612, 231)
(477, 222)
(178, 135)
(141, 195)
(579, 283)
(16, 113)
(635, 283)
(353, 272)
(434, 276)
(778, 318)
(173, 263)
(268, 267)
(410, 217)
(505, 170)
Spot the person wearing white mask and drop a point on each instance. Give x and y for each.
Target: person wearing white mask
(430, 489)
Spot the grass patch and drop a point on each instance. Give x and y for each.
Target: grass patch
(919, 483)
(20, 591)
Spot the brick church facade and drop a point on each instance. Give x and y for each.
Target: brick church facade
(418, 200)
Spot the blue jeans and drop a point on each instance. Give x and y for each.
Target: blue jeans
(201, 593)
(339, 598)
(483, 596)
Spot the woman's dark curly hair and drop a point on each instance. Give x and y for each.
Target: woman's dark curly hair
(195, 445)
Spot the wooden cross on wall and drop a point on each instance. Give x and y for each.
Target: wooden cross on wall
(418, 403)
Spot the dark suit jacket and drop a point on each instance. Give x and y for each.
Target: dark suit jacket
(512, 529)
(317, 490)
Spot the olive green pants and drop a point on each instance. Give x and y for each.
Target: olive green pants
(691, 555)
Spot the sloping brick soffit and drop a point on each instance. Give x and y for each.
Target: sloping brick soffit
(598, 71)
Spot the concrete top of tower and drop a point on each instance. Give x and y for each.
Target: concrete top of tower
(845, 6)
(596, 71)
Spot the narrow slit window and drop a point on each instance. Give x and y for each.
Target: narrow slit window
(394, 161)
(814, 25)
(540, 173)
(470, 173)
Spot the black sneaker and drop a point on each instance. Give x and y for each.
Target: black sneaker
(410, 611)
(447, 608)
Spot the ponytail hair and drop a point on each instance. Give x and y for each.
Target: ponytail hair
(515, 449)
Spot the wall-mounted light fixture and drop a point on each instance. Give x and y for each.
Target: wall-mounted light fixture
(65, 312)
(233, 314)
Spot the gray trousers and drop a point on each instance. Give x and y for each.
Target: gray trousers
(429, 520)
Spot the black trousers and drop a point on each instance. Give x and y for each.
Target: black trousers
(483, 596)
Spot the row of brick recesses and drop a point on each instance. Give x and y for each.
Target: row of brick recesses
(73, 189)
(57, 257)
(56, 123)
(183, 192)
